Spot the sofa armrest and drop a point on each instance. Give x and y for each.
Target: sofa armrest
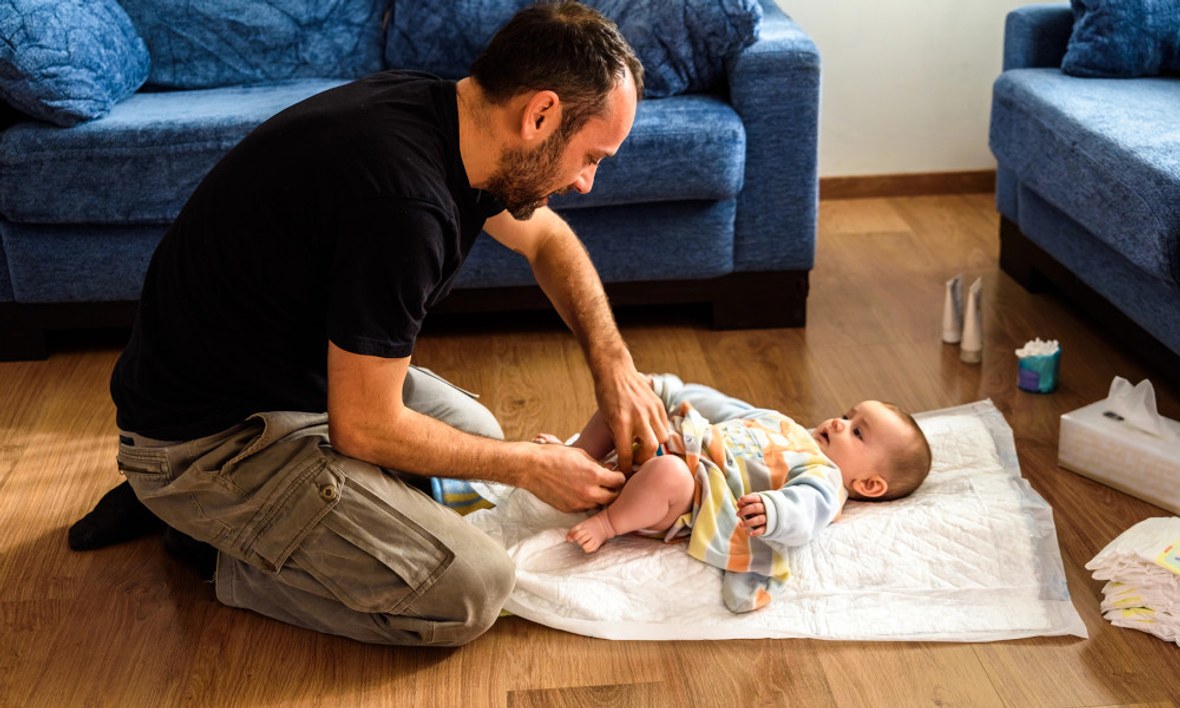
(1037, 35)
(774, 87)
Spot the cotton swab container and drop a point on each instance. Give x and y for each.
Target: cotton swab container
(1039, 364)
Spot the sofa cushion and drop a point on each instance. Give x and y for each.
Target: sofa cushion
(1101, 150)
(140, 163)
(66, 61)
(681, 43)
(211, 43)
(1123, 38)
(695, 240)
(72, 264)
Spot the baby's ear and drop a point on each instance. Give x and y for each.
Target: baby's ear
(872, 486)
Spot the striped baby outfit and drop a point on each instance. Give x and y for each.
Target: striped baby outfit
(735, 449)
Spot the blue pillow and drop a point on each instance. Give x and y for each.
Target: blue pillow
(1123, 38)
(681, 43)
(66, 61)
(212, 43)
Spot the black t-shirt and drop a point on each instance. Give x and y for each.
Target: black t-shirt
(343, 217)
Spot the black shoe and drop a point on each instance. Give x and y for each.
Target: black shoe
(199, 556)
(119, 516)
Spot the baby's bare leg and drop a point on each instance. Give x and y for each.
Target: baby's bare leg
(655, 496)
(595, 437)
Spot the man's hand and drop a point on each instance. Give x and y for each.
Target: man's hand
(570, 480)
(752, 514)
(634, 414)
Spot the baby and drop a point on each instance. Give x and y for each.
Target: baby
(731, 473)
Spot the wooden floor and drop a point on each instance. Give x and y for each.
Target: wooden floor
(127, 626)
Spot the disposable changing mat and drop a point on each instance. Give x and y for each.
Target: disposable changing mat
(971, 556)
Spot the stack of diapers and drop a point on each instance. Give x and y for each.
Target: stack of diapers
(971, 556)
(1142, 567)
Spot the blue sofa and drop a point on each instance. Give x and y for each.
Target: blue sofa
(1088, 179)
(711, 200)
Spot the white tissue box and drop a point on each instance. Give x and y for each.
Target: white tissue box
(1095, 443)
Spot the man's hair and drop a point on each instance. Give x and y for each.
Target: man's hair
(911, 464)
(564, 47)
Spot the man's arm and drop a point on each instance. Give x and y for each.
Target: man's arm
(564, 271)
(368, 420)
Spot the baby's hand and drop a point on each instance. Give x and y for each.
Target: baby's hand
(547, 439)
(752, 514)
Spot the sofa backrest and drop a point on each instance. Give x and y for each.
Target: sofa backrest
(202, 44)
(212, 43)
(682, 44)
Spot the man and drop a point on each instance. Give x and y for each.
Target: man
(294, 282)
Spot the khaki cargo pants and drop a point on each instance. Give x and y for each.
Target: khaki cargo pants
(310, 537)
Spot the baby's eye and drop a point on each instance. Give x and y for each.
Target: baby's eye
(856, 432)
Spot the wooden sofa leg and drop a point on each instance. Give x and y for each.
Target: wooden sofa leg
(1018, 258)
(759, 300)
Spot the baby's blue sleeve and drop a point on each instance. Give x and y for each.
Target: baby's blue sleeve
(797, 511)
(709, 402)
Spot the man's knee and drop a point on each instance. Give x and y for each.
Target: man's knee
(475, 418)
(429, 394)
(475, 587)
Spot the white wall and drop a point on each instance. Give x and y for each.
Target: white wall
(906, 84)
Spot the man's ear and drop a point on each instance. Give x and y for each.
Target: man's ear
(871, 487)
(541, 116)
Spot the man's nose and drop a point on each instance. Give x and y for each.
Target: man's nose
(585, 181)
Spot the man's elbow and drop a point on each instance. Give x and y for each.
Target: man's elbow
(349, 440)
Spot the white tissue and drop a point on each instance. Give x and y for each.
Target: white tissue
(1136, 404)
(1143, 567)
(1038, 347)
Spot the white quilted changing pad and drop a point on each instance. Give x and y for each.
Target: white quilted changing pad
(971, 556)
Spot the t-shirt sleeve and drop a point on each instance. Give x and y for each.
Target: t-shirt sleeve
(387, 259)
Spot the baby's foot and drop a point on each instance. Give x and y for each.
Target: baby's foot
(592, 533)
(547, 439)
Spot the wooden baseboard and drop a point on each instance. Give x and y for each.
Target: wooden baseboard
(907, 185)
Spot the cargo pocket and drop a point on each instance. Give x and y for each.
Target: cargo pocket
(267, 434)
(150, 465)
(370, 556)
(151, 475)
(294, 501)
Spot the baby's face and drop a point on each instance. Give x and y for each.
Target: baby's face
(862, 441)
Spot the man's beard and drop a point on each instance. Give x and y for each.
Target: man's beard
(524, 178)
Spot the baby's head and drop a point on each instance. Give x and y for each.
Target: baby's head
(881, 452)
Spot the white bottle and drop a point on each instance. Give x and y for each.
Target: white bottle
(971, 350)
(952, 311)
